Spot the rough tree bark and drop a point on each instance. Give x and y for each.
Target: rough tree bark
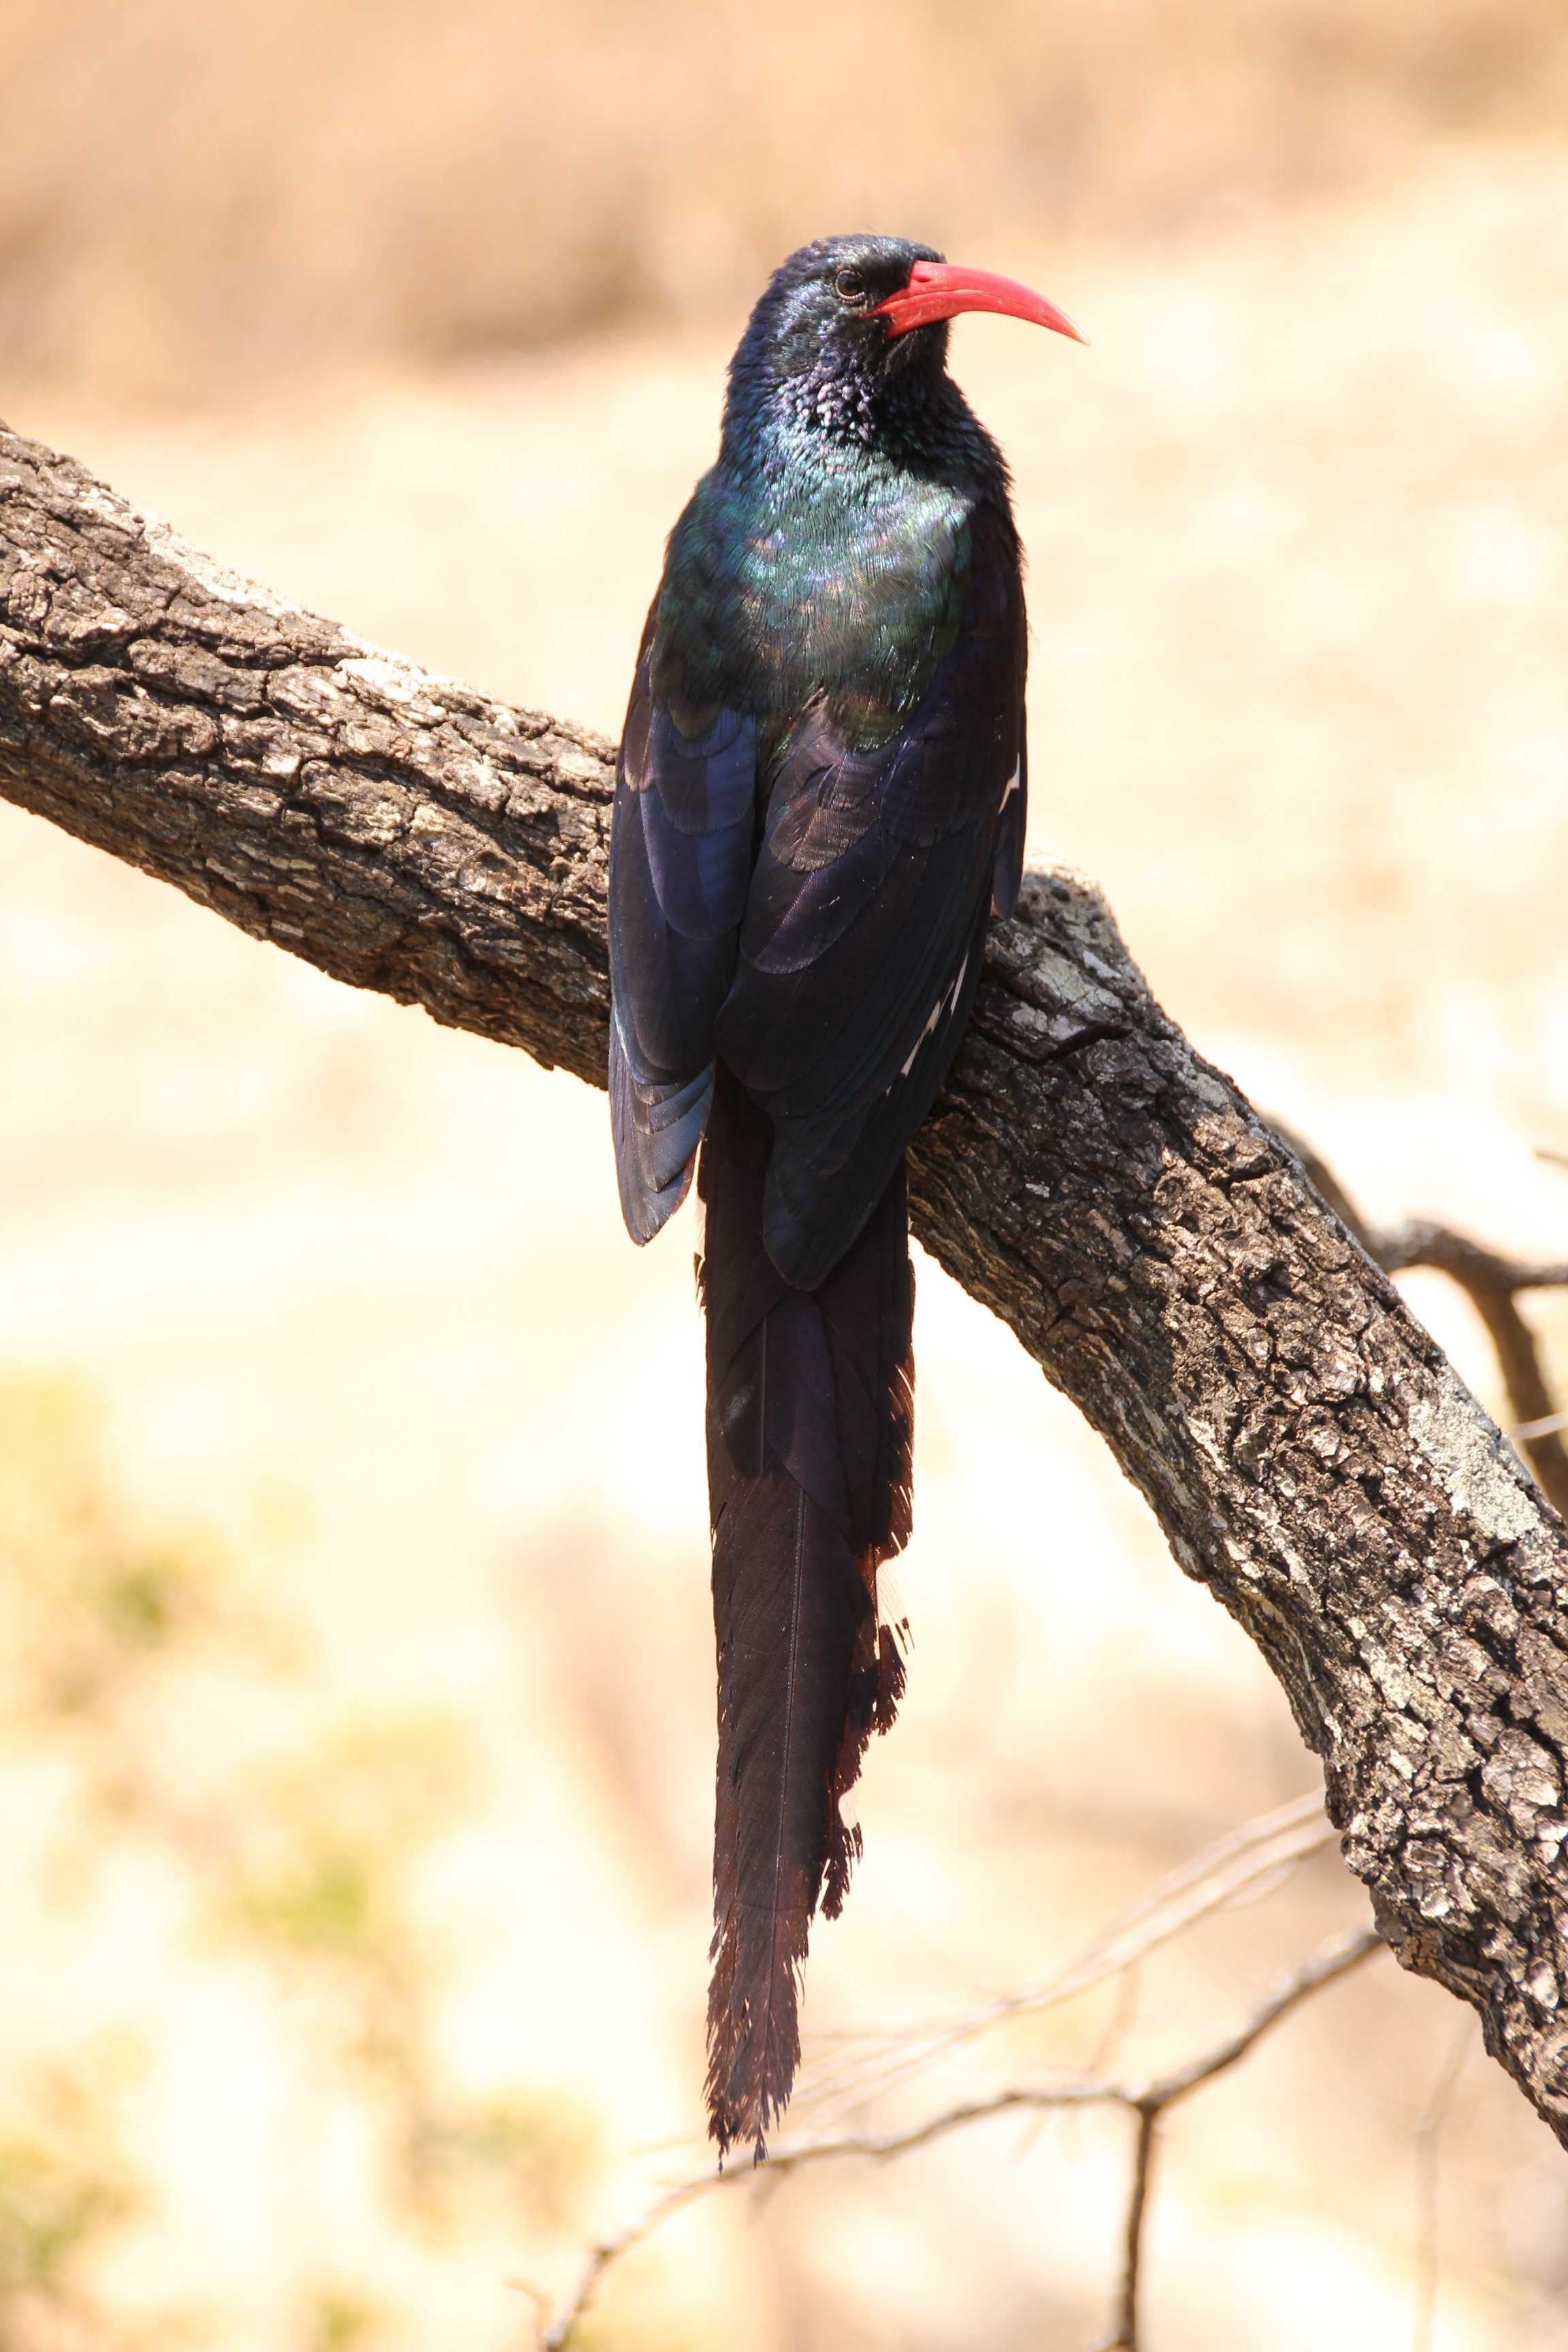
(1309, 1452)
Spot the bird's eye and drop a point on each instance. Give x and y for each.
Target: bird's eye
(848, 285)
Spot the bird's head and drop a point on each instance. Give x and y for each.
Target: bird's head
(872, 310)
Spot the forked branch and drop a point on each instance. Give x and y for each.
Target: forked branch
(1147, 2101)
(862, 2065)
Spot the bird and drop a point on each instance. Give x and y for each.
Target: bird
(819, 806)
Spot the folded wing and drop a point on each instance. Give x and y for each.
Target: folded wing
(680, 859)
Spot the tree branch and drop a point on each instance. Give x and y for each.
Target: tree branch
(1310, 1453)
(1125, 2337)
(1245, 1862)
(1492, 1283)
(1147, 2100)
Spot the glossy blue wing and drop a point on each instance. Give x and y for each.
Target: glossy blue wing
(680, 856)
(860, 949)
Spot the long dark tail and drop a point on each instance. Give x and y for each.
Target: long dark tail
(810, 1427)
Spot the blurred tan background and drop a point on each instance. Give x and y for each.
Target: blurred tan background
(190, 192)
(357, 1700)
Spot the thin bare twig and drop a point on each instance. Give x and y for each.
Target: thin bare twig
(1429, 2132)
(1334, 1960)
(572, 2306)
(542, 2303)
(1125, 2338)
(1330, 1961)
(1146, 2099)
(1118, 2022)
(1226, 1870)
(1542, 1428)
(1420, 1242)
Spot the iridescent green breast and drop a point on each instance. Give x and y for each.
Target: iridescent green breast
(840, 581)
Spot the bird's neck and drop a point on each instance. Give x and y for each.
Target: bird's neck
(847, 427)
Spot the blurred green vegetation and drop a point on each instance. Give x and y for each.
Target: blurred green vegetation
(93, 1601)
(300, 1843)
(322, 1880)
(64, 2185)
(339, 2322)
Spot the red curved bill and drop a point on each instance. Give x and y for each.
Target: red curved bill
(940, 290)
